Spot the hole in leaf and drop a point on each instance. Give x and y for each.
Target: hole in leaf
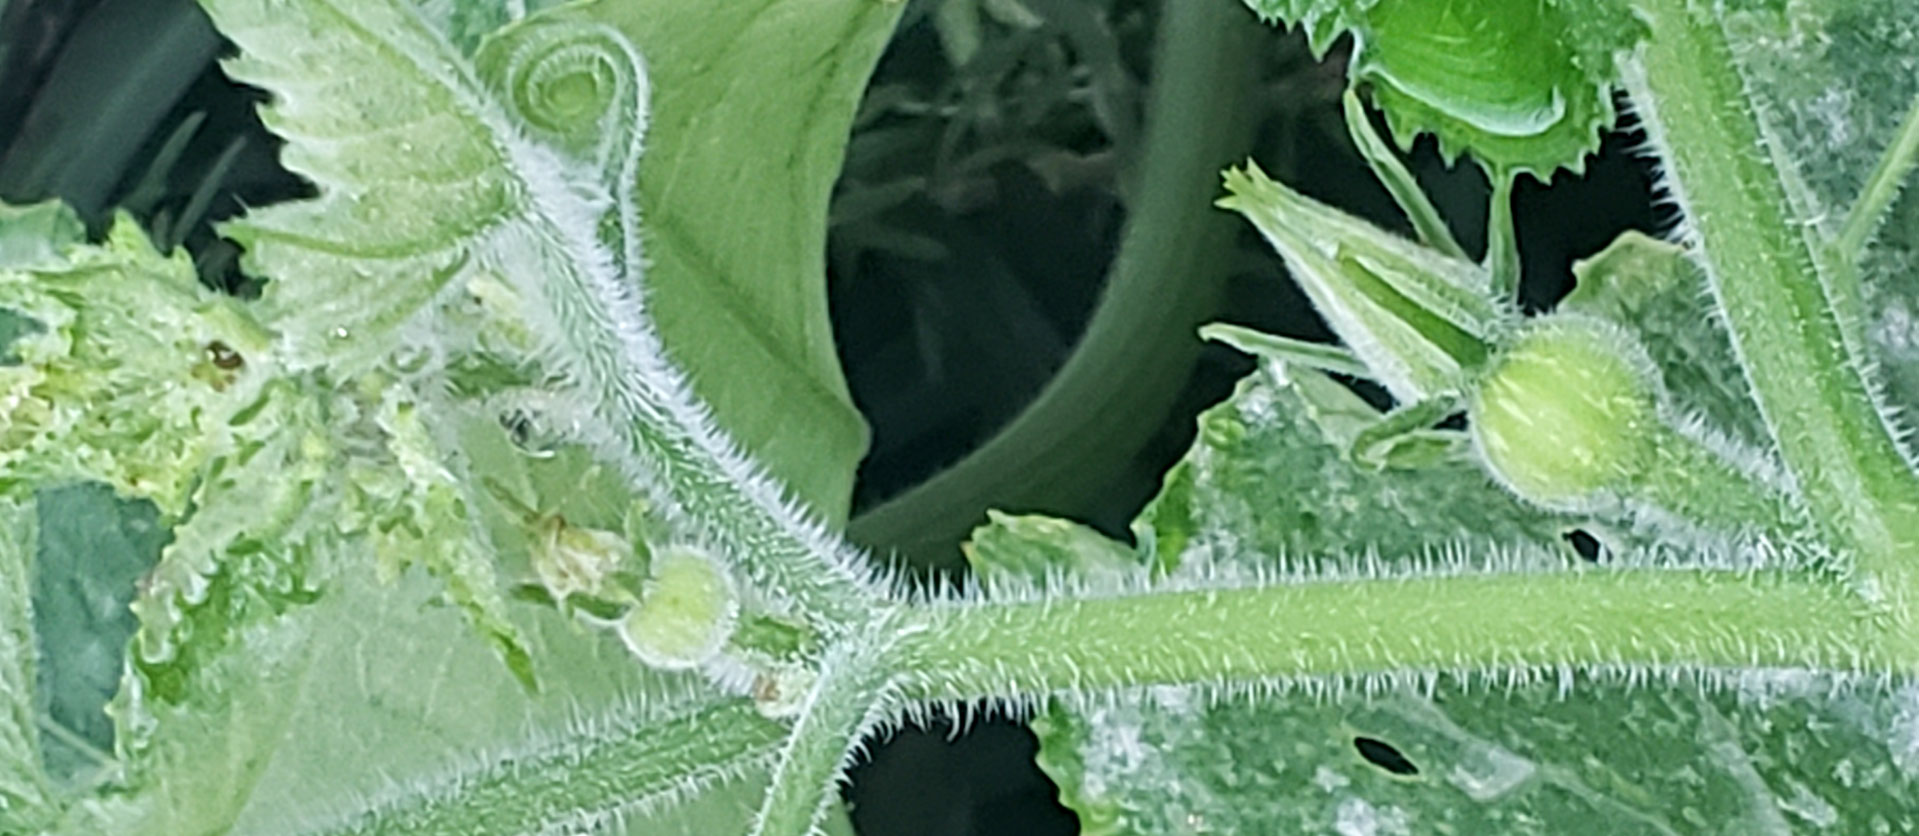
(1382, 754)
(1588, 547)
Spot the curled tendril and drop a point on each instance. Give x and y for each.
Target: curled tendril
(581, 89)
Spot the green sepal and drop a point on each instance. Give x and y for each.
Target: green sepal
(1405, 438)
(1422, 322)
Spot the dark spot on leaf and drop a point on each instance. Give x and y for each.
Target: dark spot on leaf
(1587, 546)
(1382, 754)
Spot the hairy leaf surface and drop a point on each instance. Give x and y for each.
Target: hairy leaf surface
(1266, 487)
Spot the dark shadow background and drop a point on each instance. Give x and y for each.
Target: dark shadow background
(971, 234)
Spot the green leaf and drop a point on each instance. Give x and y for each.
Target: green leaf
(1033, 549)
(1267, 487)
(1833, 81)
(24, 788)
(35, 236)
(1522, 85)
(92, 549)
(130, 372)
(736, 222)
(1653, 289)
(398, 246)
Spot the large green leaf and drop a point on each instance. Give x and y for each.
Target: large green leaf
(1523, 85)
(1267, 487)
(397, 245)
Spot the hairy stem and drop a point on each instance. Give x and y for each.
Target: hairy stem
(1887, 179)
(586, 783)
(849, 698)
(1399, 182)
(1639, 619)
(1124, 374)
(1764, 275)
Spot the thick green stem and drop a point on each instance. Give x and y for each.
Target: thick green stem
(1639, 619)
(1114, 391)
(1764, 274)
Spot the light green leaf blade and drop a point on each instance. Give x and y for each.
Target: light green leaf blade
(1523, 86)
(1266, 488)
(1033, 549)
(397, 243)
(1834, 80)
(306, 685)
(736, 223)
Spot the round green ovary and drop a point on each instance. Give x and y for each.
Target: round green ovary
(687, 611)
(1565, 416)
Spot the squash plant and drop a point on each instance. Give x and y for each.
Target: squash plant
(511, 506)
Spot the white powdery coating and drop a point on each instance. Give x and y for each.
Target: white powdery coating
(1357, 817)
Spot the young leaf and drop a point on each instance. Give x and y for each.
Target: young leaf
(129, 372)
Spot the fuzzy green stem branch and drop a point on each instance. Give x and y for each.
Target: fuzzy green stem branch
(1502, 244)
(850, 697)
(1399, 182)
(1124, 374)
(1764, 274)
(1882, 187)
(1643, 619)
(587, 782)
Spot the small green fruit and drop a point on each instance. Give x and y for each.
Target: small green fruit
(1568, 414)
(688, 608)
